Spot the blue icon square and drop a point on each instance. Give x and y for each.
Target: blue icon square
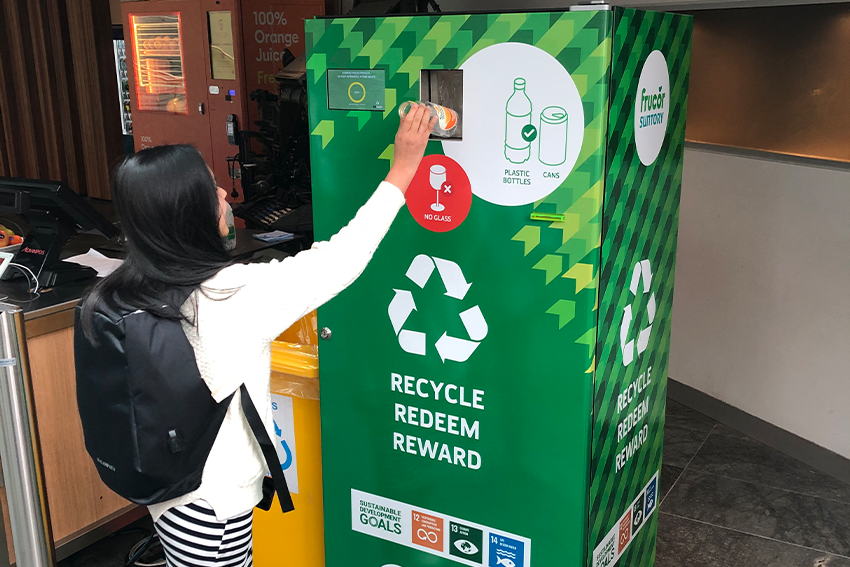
(651, 494)
(506, 551)
(231, 92)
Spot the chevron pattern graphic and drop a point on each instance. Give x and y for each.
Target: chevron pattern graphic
(640, 221)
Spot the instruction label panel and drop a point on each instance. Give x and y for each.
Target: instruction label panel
(621, 535)
(356, 89)
(438, 534)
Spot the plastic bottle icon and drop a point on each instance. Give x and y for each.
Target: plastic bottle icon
(552, 145)
(437, 178)
(519, 132)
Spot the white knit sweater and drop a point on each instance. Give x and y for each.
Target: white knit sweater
(234, 331)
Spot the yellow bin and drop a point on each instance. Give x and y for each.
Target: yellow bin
(296, 538)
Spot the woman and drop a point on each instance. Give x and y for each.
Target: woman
(174, 222)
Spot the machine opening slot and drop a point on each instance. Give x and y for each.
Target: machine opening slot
(444, 87)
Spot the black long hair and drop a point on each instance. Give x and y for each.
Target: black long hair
(168, 205)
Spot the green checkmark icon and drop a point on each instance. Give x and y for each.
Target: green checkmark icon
(529, 132)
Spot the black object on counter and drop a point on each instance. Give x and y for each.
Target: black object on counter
(55, 214)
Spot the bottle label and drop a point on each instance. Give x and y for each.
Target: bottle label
(230, 239)
(513, 137)
(446, 117)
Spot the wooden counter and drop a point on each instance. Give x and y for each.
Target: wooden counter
(82, 508)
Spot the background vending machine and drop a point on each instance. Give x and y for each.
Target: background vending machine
(494, 390)
(191, 76)
(186, 77)
(270, 28)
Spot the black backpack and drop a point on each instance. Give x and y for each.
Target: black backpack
(149, 420)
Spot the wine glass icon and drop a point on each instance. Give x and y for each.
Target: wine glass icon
(438, 177)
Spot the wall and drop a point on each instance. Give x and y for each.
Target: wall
(761, 313)
(60, 116)
(762, 307)
(115, 12)
(780, 62)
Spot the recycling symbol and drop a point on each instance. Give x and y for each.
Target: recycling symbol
(402, 305)
(641, 272)
(287, 461)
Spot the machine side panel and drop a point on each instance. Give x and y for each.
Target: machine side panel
(649, 85)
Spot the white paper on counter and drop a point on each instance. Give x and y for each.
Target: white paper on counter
(94, 259)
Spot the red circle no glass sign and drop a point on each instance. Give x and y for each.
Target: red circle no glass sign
(439, 197)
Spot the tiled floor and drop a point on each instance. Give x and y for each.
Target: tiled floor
(727, 501)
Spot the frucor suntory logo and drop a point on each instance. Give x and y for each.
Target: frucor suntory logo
(641, 272)
(402, 305)
(652, 107)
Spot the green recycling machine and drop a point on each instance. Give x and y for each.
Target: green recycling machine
(493, 392)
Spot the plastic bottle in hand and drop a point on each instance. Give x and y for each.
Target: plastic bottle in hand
(447, 118)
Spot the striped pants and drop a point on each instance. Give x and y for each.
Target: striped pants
(192, 537)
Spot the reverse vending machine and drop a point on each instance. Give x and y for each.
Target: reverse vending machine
(493, 386)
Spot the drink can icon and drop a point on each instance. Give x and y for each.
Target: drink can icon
(554, 127)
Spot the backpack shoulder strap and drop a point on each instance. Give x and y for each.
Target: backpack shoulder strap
(269, 452)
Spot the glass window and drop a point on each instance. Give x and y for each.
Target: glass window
(222, 61)
(160, 84)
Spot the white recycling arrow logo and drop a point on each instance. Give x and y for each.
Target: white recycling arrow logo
(403, 304)
(641, 272)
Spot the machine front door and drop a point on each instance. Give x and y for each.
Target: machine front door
(168, 75)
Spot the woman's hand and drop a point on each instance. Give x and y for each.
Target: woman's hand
(410, 142)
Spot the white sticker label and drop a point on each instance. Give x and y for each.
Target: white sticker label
(431, 532)
(652, 107)
(284, 439)
(214, 90)
(8, 361)
(618, 539)
(523, 134)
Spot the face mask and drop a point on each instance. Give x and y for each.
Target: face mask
(230, 239)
